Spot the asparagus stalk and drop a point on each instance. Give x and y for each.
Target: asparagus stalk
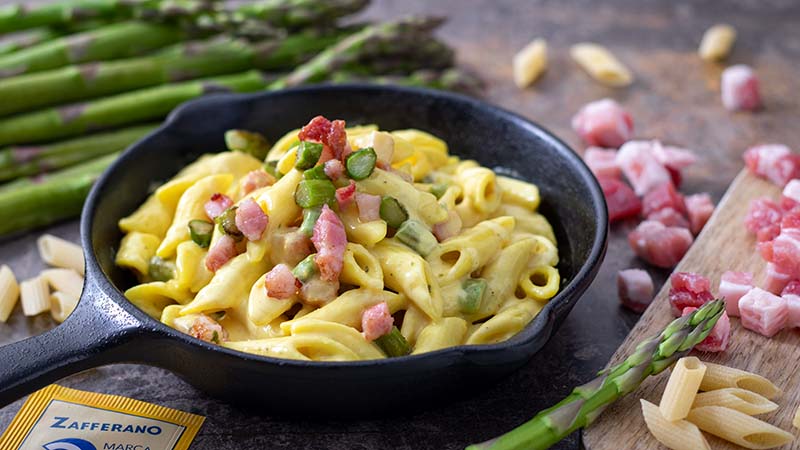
(16, 162)
(178, 63)
(587, 402)
(53, 198)
(23, 17)
(300, 13)
(29, 39)
(122, 109)
(111, 42)
(357, 47)
(97, 165)
(448, 80)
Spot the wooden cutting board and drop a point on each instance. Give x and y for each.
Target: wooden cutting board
(723, 245)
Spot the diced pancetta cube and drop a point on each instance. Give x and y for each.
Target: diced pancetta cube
(376, 321)
(784, 250)
(333, 168)
(664, 196)
(790, 198)
(635, 289)
(256, 179)
(280, 282)
(763, 312)
(602, 162)
(222, 252)
(776, 279)
(690, 281)
(670, 218)
(660, 245)
(688, 289)
(718, 339)
(740, 91)
(251, 220)
(330, 133)
(289, 246)
(369, 206)
(673, 157)
(330, 240)
(622, 202)
(679, 299)
(762, 213)
(699, 208)
(775, 162)
(448, 228)
(207, 329)
(216, 205)
(768, 233)
(345, 195)
(791, 293)
(732, 286)
(641, 167)
(603, 123)
(675, 176)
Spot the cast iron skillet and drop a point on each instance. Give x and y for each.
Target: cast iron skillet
(105, 328)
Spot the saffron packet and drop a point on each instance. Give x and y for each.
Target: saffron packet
(59, 418)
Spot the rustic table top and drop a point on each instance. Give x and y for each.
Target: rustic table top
(675, 99)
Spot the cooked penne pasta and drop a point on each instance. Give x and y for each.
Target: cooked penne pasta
(681, 388)
(719, 377)
(530, 63)
(57, 252)
(9, 292)
(738, 427)
(327, 253)
(676, 435)
(62, 304)
(601, 64)
(717, 42)
(64, 280)
(741, 400)
(35, 296)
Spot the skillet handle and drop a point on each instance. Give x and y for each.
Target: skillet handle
(91, 336)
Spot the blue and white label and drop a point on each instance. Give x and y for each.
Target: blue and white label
(70, 444)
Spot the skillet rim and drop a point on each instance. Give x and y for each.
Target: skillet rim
(542, 323)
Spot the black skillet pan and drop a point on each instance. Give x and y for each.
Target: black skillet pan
(105, 328)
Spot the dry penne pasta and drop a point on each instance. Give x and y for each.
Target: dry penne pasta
(601, 64)
(681, 388)
(64, 280)
(677, 435)
(60, 253)
(61, 305)
(741, 400)
(35, 296)
(9, 292)
(738, 427)
(530, 62)
(717, 42)
(719, 377)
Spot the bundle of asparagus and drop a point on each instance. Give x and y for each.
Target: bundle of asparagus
(93, 71)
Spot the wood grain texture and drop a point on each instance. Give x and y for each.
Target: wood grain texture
(723, 245)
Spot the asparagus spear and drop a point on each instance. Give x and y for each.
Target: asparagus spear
(448, 80)
(18, 162)
(29, 39)
(300, 13)
(122, 109)
(111, 42)
(587, 402)
(49, 200)
(22, 17)
(181, 62)
(356, 47)
(97, 165)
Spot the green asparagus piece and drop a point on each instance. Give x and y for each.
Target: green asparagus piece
(306, 268)
(393, 344)
(254, 144)
(18, 162)
(310, 216)
(201, 232)
(415, 235)
(311, 193)
(449, 80)
(29, 39)
(22, 17)
(392, 211)
(114, 41)
(354, 48)
(160, 269)
(122, 109)
(587, 402)
(471, 296)
(300, 13)
(226, 223)
(308, 154)
(32, 203)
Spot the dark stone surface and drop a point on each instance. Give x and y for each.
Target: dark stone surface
(675, 99)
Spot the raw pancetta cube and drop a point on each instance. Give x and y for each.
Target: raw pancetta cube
(603, 123)
(776, 279)
(641, 167)
(663, 196)
(658, 244)
(635, 289)
(688, 290)
(699, 208)
(602, 162)
(718, 339)
(791, 293)
(761, 214)
(775, 162)
(783, 251)
(622, 202)
(790, 198)
(673, 157)
(763, 312)
(670, 218)
(739, 88)
(732, 286)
